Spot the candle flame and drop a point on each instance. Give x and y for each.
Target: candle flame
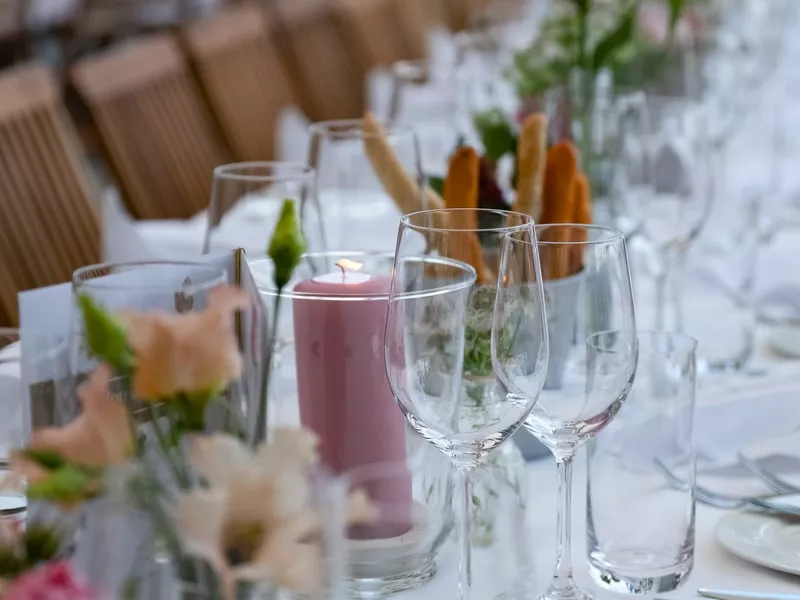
(346, 264)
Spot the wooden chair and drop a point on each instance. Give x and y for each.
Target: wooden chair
(371, 33)
(159, 136)
(241, 73)
(49, 223)
(325, 82)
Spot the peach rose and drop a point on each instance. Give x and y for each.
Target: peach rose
(194, 352)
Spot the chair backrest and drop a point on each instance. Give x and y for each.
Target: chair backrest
(326, 83)
(371, 33)
(241, 73)
(49, 222)
(158, 134)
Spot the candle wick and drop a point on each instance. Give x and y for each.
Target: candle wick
(343, 271)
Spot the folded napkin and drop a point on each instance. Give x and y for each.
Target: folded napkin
(128, 240)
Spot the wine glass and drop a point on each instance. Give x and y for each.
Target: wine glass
(427, 96)
(454, 282)
(593, 351)
(368, 175)
(680, 192)
(246, 201)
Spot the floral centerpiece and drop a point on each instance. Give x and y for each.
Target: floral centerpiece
(585, 50)
(232, 515)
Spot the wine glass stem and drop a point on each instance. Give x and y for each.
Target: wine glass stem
(661, 301)
(563, 584)
(464, 490)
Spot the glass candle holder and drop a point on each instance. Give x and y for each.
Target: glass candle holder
(329, 375)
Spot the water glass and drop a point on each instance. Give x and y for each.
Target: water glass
(246, 200)
(641, 531)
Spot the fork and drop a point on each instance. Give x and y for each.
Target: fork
(723, 501)
(775, 483)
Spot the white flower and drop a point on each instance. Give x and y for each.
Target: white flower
(256, 521)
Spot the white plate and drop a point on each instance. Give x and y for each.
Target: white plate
(762, 539)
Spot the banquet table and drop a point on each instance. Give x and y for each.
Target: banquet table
(725, 408)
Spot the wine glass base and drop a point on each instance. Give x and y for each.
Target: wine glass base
(569, 593)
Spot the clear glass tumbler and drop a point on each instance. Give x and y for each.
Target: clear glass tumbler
(640, 530)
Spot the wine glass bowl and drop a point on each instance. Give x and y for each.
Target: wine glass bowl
(459, 297)
(591, 330)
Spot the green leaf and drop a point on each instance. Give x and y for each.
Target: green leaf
(436, 184)
(582, 6)
(46, 458)
(496, 133)
(68, 485)
(287, 245)
(615, 39)
(675, 11)
(12, 564)
(41, 544)
(105, 336)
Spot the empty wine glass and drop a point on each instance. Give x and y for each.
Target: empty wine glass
(368, 175)
(427, 96)
(680, 194)
(593, 351)
(454, 283)
(246, 200)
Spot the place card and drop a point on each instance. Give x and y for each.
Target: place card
(51, 313)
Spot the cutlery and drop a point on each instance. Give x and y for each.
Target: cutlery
(728, 501)
(741, 595)
(775, 483)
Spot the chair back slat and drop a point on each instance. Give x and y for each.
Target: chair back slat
(241, 73)
(49, 222)
(159, 135)
(325, 80)
(371, 32)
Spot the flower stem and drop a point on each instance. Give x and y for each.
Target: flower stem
(261, 415)
(166, 448)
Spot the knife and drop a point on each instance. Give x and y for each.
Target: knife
(737, 595)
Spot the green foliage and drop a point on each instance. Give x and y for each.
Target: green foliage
(36, 545)
(497, 134)
(41, 544)
(675, 11)
(436, 184)
(587, 38)
(49, 459)
(615, 40)
(287, 245)
(106, 338)
(12, 563)
(478, 352)
(70, 484)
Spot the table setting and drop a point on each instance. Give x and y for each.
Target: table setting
(526, 329)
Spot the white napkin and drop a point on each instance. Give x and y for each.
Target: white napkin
(128, 240)
(728, 422)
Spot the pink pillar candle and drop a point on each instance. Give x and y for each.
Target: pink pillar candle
(344, 393)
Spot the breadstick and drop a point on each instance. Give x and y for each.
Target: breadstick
(583, 216)
(461, 191)
(560, 171)
(393, 177)
(531, 160)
